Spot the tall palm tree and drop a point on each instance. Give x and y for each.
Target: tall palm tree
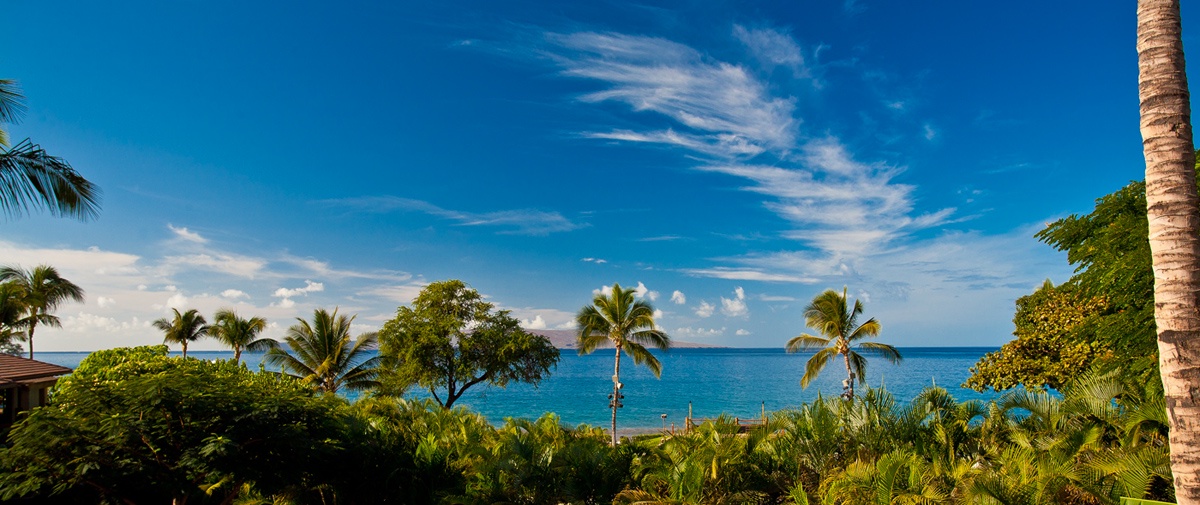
(186, 327)
(627, 323)
(840, 334)
(1173, 209)
(325, 356)
(239, 334)
(42, 290)
(31, 179)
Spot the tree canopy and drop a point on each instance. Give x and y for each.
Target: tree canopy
(451, 340)
(1103, 316)
(136, 426)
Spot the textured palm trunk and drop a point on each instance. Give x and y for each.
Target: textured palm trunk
(849, 374)
(616, 398)
(185, 348)
(1173, 209)
(32, 325)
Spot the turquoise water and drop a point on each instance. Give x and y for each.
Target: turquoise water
(737, 382)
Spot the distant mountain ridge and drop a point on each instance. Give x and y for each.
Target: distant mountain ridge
(565, 339)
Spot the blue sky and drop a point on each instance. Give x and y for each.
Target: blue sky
(733, 159)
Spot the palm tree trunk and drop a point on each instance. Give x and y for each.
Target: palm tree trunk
(849, 375)
(616, 396)
(184, 342)
(237, 355)
(1173, 209)
(32, 325)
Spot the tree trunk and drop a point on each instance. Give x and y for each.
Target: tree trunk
(32, 325)
(616, 397)
(1173, 209)
(184, 342)
(849, 375)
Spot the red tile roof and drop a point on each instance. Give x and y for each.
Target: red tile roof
(15, 369)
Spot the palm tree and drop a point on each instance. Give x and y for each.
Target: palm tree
(325, 356)
(42, 290)
(626, 323)
(239, 334)
(186, 327)
(1173, 209)
(31, 179)
(840, 331)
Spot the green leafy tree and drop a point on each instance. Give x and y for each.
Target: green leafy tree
(41, 291)
(622, 320)
(30, 179)
(239, 333)
(324, 356)
(840, 334)
(11, 327)
(134, 426)
(451, 340)
(184, 328)
(1049, 350)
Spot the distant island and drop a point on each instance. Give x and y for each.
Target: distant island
(565, 339)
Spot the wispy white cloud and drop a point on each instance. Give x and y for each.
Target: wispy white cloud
(678, 297)
(687, 332)
(724, 107)
(519, 221)
(705, 309)
(741, 332)
(839, 207)
(747, 274)
(597, 261)
(234, 294)
(188, 235)
(773, 48)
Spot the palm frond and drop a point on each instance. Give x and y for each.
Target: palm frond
(815, 364)
(31, 179)
(643, 356)
(885, 351)
(805, 342)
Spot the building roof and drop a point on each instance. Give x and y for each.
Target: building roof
(14, 369)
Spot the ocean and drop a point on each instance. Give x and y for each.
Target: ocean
(736, 382)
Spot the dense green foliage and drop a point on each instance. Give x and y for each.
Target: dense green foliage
(451, 340)
(1102, 317)
(839, 335)
(11, 326)
(136, 426)
(133, 425)
(1047, 350)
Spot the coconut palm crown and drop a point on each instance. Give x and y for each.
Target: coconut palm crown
(240, 334)
(840, 335)
(323, 354)
(41, 291)
(183, 328)
(627, 323)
